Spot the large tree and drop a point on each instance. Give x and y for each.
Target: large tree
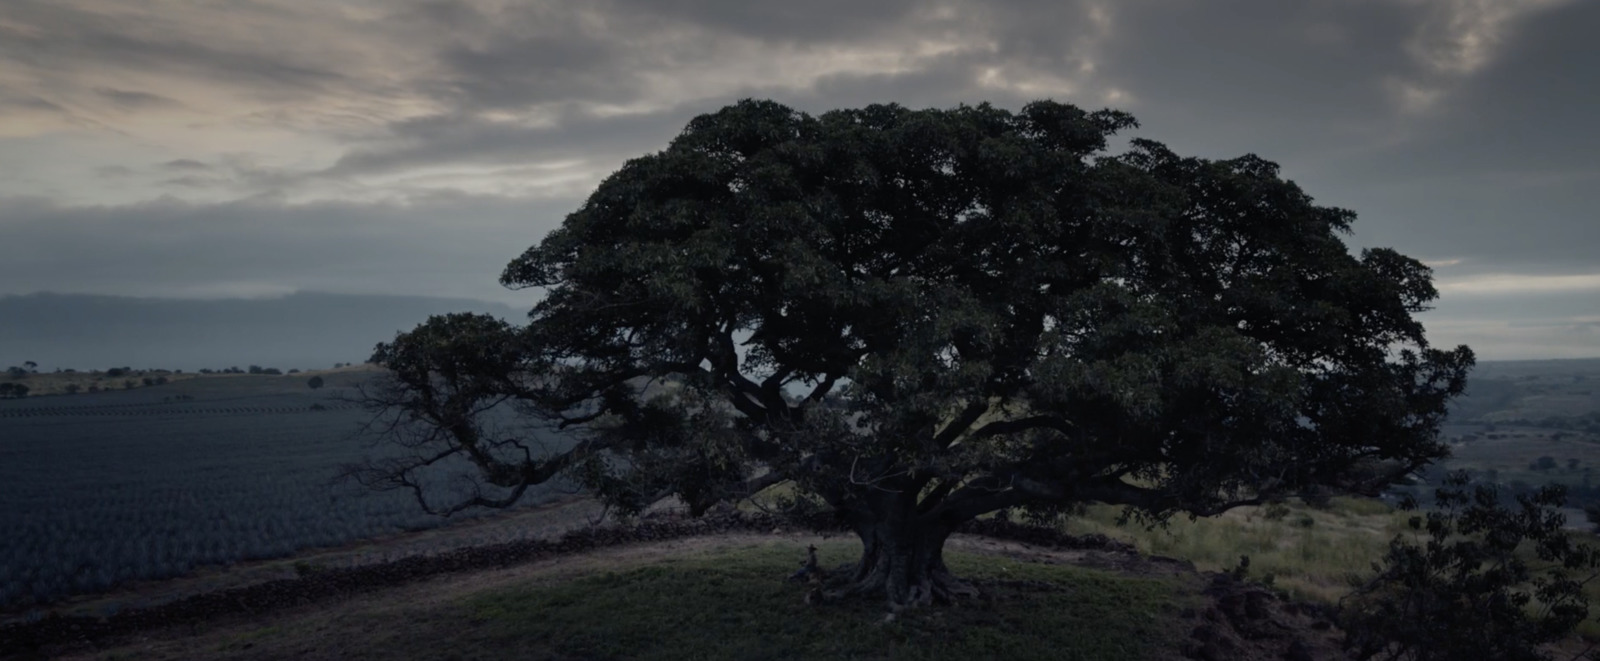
(921, 316)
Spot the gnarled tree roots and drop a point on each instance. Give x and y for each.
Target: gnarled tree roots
(905, 575)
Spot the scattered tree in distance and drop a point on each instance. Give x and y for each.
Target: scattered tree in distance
(918, 317)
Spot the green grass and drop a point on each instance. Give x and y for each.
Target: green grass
(1312, 554)
(1316, 555)
(733, 604)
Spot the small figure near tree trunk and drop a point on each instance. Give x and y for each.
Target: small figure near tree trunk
(809, 571)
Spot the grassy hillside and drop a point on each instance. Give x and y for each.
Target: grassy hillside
(155, 481)
(714, 598)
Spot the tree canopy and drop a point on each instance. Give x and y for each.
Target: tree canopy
(920, 316)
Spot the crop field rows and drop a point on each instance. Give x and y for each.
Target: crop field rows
(96, 496)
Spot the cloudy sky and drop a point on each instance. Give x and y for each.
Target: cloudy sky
(200, 148)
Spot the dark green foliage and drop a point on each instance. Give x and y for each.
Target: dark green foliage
(13, 390)
(1478, 581)
(16, 372)
(923, 316)
(314, 382)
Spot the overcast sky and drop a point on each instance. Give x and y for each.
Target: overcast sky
(258, 147)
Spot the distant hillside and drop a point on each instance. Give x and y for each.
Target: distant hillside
(1558, 394)
(303, 330)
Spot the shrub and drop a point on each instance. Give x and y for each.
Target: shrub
(1464, 589)
(315, 382)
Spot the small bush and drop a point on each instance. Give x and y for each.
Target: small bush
(315, 382)
(1464, 589)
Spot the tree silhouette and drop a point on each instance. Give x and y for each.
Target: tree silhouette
(918, 317)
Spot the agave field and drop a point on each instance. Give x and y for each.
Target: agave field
(100, 489)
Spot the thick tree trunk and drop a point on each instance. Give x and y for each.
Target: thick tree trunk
(903, 564)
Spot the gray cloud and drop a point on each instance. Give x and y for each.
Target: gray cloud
(1275, 78)
(1458, 130)
(133, 100)
(447, 244)
(63, 37)
(471, 138)
(818, 22)
(29, 102)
